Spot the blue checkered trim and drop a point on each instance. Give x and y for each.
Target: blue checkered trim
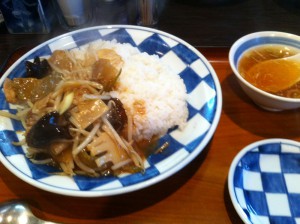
(263, 40)
(204, 109)
(267, 183)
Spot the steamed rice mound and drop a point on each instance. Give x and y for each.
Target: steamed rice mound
(152, 94)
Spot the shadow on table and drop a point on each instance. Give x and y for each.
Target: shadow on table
(101, 207)
(234, 217)
(242, 111)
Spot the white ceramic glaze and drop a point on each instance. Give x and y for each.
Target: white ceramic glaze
(204, 104)
(263, 182)
(263, 99)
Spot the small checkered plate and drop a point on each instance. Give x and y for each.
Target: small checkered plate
(264, 182)
(204, 105)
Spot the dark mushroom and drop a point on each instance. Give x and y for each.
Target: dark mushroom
(116, 114)
(38, 68)
(46, 130)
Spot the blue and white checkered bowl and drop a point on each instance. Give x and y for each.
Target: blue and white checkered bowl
(263, 99)
(264, 182)
(204, 105)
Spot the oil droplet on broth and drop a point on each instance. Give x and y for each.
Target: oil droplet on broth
(258, 68)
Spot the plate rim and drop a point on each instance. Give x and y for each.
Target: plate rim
(234, 164)
(146, 183)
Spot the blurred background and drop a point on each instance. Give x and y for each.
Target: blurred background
(199, 22)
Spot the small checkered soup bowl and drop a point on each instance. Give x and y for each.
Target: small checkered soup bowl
(262, 98)
(264, 182)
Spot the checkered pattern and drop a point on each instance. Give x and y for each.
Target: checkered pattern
(267, 183)
(204, 104)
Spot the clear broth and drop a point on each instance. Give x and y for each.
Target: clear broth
(265, 53)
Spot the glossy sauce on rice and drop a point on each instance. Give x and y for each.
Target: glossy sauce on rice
(151, 92)
(103, 108)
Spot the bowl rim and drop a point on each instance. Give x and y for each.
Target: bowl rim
(256, 35)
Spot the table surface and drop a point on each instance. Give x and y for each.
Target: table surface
(198, 193)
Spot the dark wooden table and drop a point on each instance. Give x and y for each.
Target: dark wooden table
(198, 193)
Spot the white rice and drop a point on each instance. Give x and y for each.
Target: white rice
(145, 78)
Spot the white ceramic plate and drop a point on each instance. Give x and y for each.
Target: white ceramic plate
(204, 104)
(264, 182)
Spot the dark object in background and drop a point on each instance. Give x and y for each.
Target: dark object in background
(209, 2)
(27, 16)
(290, 5)
(74, 14)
